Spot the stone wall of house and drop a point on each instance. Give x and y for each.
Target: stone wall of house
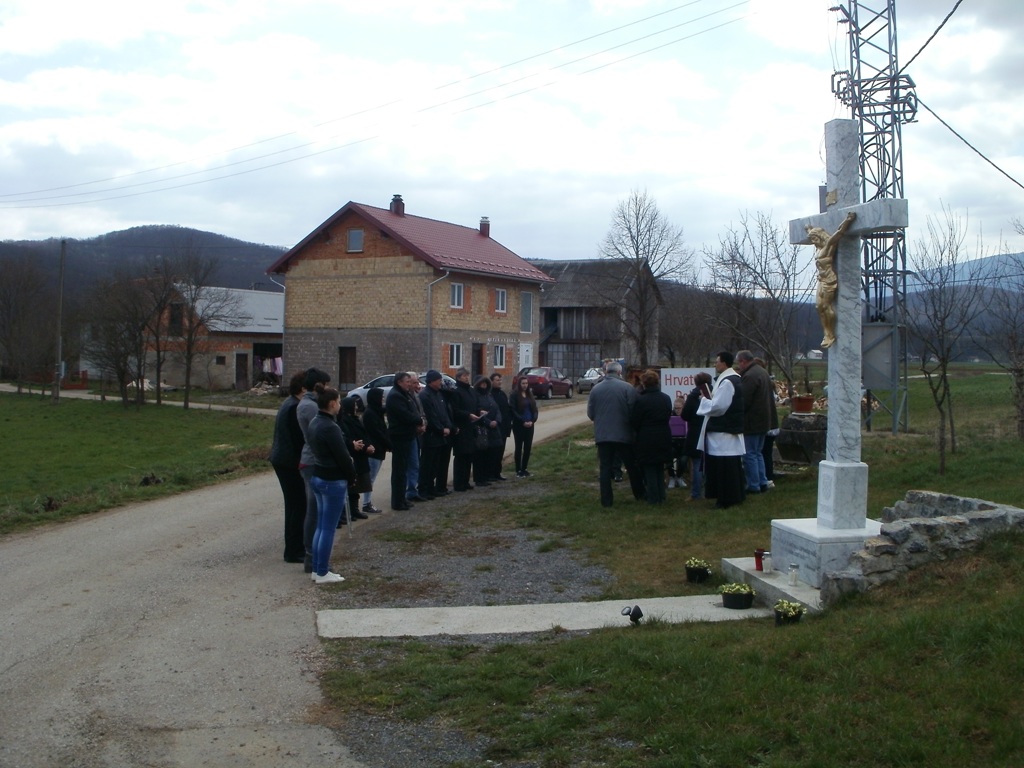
(922, 528)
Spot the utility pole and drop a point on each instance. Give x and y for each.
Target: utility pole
(60, 310)
(881, 99)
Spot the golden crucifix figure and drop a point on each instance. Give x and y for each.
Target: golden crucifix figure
(828, 281)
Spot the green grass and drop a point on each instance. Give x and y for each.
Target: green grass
(82, 456)
(923, 672)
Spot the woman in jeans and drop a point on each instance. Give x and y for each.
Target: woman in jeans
(332, 472)
(524, 416)
(377, 436)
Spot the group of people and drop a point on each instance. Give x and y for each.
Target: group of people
(724, 429)
(327, 450)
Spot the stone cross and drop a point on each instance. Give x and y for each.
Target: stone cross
(842, 477)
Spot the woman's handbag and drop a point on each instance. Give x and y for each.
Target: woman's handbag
(362, 484)
(481, 438)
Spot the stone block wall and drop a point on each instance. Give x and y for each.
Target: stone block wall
(922, 528)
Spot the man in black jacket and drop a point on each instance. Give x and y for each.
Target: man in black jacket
(498, 452)
(404, 424)
(436, 439)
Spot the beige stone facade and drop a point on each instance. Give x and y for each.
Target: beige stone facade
(356, 305)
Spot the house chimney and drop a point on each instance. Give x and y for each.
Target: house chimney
(485, 226)
(398, 205)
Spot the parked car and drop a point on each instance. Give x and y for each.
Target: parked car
(387, 381)
(586, 382)
(545, 382)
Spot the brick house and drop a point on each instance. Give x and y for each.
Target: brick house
(236, 349)
(235, 352)
(374, 290)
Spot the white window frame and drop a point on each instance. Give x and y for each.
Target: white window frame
(501, 300)
(455, 355)
(457, 296)
(526, 318)
(499, 355)
(349, 238)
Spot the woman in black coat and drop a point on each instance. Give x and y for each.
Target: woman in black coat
(376, 431)
(694, 424)
(653, 437)
(490, 418)
(361, 449)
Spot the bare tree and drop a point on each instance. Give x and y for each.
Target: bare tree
(26, 304)
(117, 335)
(685, 332)
(650, 249)
(162, 291)
(1000, 330)
(761, 284)
(205, 308)
(941, 314)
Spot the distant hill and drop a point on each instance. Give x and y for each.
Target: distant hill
(239, 264)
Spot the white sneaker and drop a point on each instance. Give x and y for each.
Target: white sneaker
(680, 483)
(671, 483)
(771, 484)
(328, 578)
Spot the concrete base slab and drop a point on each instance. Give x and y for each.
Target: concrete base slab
(771, 586)
(815, 548)
(514, 619)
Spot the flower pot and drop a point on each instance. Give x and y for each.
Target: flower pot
(781, 618)
(697, 575)
(737, 600)
(803, 403)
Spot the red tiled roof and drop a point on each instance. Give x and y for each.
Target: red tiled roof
(440, 244)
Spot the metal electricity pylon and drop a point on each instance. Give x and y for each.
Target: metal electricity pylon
(881, 99)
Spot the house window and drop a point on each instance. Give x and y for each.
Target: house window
(355, 241)
(526, 316)
(454, 355)
(220, 360)
(499, 355)
(176, 319)
(500, 300)
(457, 296)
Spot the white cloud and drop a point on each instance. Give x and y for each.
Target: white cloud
(726, 120)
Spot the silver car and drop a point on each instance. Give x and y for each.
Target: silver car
(586, 382)
(387, 381)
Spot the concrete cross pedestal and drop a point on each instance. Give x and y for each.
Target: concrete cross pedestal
(825, 543)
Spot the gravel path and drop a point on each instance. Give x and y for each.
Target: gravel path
(449, 552)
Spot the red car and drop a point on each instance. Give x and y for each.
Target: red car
(545, 382)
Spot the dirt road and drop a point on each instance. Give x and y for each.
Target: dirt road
(169, 633)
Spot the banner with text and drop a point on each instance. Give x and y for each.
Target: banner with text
(678, 382)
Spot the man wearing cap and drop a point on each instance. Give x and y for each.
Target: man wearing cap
(437, 438)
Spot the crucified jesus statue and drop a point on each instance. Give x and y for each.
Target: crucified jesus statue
(828, 281)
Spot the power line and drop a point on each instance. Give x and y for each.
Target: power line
(932, 37)
(19, 204)
(965, 141)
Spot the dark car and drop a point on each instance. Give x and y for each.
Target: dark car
(586, 382)
(545, 382)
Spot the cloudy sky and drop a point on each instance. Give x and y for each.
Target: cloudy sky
(258, 119)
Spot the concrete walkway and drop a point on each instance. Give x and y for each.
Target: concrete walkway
(508, 619)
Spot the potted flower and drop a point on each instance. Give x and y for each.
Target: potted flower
(697, 570)
(787, 612)
(737, 595)
(804, 402)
